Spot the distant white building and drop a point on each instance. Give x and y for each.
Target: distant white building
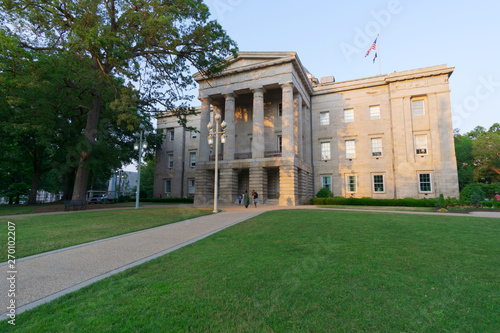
(122, 183)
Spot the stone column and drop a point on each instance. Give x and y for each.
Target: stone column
(258, 124)
(288, 135)
(228, 185)
(204, 148)
(258, 183)
(306, 130)
(230, 145)
(288, 185)
(297, 123)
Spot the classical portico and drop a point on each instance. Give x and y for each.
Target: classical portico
(264, 99)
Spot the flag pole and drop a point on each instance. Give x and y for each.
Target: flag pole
(379, 66)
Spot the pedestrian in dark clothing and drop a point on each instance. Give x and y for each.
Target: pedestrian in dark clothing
(246, 199)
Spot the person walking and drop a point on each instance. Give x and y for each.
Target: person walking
(246, 199)
(255, 198)
(239, 199)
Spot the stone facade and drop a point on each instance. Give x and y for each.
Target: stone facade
(288, 135)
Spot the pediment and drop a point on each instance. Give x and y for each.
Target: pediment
(247, 61)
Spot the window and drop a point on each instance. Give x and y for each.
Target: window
(191, 186)
(193, 134)
(170, 161)
(377, 147)
(325, 150)
(374, 112)
(378, 184)
(417, 107)
(351, 184)
(280, 109)
(424, 182)
(192, 159)
(324, 118)
(326, 182)
(350, 149)
(349, 115)
(168, 186)
(171, 135)
(280, 143)
(421, 144)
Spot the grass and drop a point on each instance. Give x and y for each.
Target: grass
(389, 208)
(302, 271)
(38, 234)
(16, 209)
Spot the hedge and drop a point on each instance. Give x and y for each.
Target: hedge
(408, 202)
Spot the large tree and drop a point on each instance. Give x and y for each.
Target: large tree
(486, 153)
(151, 43)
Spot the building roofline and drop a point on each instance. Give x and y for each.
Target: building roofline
(380, 80)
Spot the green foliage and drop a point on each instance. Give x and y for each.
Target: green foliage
(469, 190)
(407, 202)
(324, 193)
(476, 198)
(496, 203)
(465, 161)
(486, 153)
(152, 44)
(147, 177)
(441, 201)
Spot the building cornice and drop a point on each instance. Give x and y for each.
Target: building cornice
(382, 80)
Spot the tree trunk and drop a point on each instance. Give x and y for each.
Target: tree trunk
(82, 174)
(69, 184)
(35, 181)
(37, 174)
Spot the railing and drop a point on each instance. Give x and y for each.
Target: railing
(212, 157)
(272, 154)
(242, 156)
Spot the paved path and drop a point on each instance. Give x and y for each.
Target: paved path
(44, 277)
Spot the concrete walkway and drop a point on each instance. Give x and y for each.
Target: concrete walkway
(44, 277)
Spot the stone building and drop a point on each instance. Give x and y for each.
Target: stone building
(289, 135)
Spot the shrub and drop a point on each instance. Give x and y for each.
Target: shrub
(487, 204)
(476, 198)
(441, 201)
(469, 190)
(496, 203)
(324, 193)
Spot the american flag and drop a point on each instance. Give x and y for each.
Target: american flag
(373, 47)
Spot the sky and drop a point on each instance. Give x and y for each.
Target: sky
(332, 37)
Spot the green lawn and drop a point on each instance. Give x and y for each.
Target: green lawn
(38, 234)
(302, 271)
(16, 209)
(389, 208)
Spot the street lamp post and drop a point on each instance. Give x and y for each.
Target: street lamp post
(139, 147)
(211, 136)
